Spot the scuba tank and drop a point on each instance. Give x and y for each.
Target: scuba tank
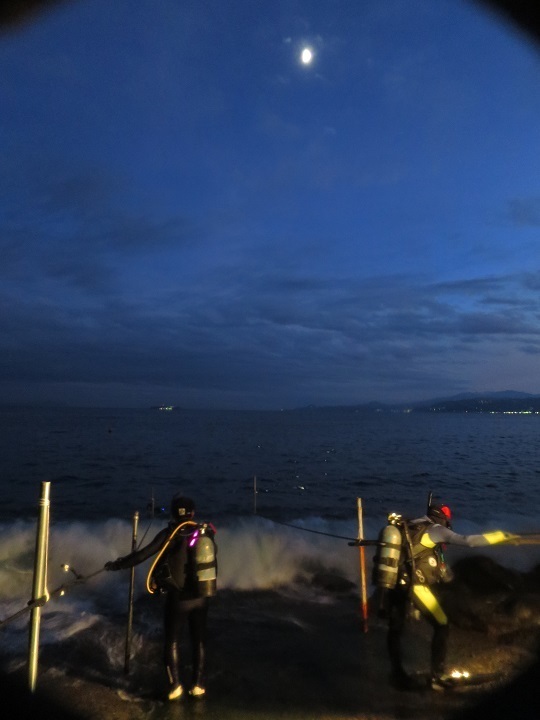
(186, 562)
(388, 555)
(205, 560)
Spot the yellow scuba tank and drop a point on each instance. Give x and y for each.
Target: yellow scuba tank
(205, 560)
(387, 557)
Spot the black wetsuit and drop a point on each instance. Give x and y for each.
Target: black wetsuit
(182, 606)
(178, 611)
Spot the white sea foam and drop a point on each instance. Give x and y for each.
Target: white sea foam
(254, 553)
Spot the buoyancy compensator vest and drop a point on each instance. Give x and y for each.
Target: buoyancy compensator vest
(402, 559)
(426, 564)
(186, 562)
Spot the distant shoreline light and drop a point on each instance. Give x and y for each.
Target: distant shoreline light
(514, 412)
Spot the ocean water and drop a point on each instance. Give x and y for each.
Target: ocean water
(307, 463)
(281, 487)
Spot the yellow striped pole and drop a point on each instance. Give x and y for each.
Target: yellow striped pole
(363, 586)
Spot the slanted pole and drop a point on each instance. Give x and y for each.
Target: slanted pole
(131, 594)
(363, 586)
(39, 586)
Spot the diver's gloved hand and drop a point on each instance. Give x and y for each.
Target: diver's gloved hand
(113, 565)
(500, 536)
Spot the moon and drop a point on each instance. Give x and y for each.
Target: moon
(306, 56)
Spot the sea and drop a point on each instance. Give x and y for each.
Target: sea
(287, 491)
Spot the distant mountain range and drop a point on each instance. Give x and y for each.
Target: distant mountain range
(505, 401)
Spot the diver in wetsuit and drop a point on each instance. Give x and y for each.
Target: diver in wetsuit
(424, 568)
(185, 570)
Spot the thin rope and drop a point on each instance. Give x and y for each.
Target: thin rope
(317, 532)
(139, 544)
(45, 598)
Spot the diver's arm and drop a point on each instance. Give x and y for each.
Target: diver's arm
(139, 556)
(439, 534)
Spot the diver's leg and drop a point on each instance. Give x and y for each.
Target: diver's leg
(428, 604)
(398, 600)
(174, 619)
(439, 649)
(197, 630)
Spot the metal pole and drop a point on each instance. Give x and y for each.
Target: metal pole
(362, 566)
(39, 587)
(131, 593)
(255, 494)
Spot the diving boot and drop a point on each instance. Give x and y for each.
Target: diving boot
(442, 682)
(176, 692)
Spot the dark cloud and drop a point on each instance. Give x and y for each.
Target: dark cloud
(304, 336)
(531, 281)
(496, 324)
(525, 212)
(69, 230)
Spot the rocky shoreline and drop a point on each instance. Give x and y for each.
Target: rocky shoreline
(272, 657)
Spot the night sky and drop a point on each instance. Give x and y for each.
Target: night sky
(189, 214)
